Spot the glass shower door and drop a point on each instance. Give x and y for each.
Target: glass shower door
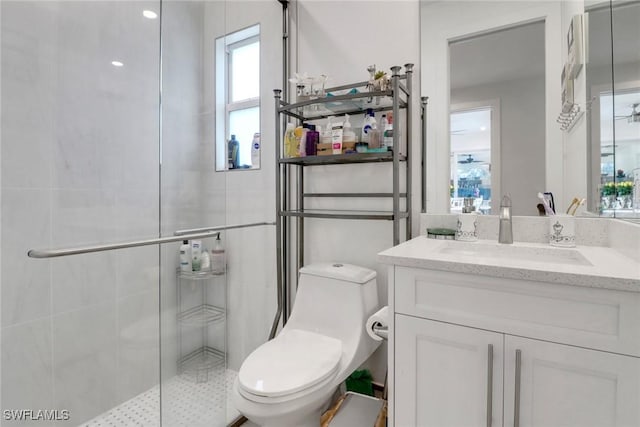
(80, 166)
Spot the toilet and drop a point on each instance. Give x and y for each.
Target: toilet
(289, 381)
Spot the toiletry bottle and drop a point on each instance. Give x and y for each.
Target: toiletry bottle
(255, 151)
(185, 256)
(388, 132)
(348, 135)
(289, 140)
(383, 123)
(196, 255)
(233, 152)
(302, 145)
(218, 262)
(369, 123)
(313, 137)
(205, 264)
(325, 138)
(336, 138)
(364, 135)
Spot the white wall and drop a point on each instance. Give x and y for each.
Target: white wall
(522, 130)
(341, 39)
(79, 166)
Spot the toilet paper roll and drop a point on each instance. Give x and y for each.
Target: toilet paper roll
(380, 317)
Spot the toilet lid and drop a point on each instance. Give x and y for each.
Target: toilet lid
(293, 361)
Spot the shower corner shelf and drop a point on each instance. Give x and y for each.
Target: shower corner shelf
(196, 364)
(200, 363)
(201, 315)
(198, 275)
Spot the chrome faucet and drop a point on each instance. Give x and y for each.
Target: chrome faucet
(506, 231)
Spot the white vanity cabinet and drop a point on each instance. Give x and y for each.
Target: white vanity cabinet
(472, 350)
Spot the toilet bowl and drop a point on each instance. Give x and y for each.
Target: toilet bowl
(289, 380)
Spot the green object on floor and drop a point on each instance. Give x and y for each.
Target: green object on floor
(360, 382)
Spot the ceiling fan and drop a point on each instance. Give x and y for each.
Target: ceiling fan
(634, 117)
(469, 159)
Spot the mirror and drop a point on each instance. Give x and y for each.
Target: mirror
(497, 112)
(570, 160)
(614, 131)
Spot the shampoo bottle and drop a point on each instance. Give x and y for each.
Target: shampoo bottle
(196, 255)
(185, 256)
(233, 153)
(218, 262)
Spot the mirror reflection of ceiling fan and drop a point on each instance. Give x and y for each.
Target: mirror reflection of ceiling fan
(634, 116)
(469, 159)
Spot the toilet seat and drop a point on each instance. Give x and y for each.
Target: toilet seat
(293, 362)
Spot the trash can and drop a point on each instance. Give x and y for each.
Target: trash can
(356, 410)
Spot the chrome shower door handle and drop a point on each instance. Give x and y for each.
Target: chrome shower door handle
(489, 384)
(516, 398)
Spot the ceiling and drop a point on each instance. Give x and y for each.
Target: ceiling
(471, 131)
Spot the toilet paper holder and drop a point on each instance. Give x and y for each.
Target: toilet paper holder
(380, 330)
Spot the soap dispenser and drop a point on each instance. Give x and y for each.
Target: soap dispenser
(467, 230)
(218, 261)
(348, 135)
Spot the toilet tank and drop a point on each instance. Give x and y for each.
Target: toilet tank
(334, 299)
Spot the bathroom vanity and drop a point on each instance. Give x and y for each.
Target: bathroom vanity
(484, 334)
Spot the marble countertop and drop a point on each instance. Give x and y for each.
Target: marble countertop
(590, 266)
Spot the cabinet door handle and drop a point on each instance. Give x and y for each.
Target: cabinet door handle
(516, 399)
(489, 384)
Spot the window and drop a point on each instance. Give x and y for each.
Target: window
(238, 100)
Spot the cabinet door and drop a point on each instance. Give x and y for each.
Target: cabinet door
(443, 374)
(569, 386)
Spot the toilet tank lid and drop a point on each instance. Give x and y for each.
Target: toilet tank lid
(340, 271)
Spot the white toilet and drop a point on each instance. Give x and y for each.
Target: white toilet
(288, 381)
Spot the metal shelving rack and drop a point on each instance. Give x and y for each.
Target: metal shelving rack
(397, 98)
(198, 363)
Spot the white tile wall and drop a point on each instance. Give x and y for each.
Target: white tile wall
(27, 371)
(85, 360)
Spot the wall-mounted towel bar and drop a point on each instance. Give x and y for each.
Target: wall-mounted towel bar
(197, 233)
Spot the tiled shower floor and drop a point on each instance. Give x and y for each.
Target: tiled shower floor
(185, 404)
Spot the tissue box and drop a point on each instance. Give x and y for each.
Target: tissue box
(324, 149)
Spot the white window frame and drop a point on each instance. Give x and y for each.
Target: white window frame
(224, 106)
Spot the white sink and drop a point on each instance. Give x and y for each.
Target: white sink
(514, 252)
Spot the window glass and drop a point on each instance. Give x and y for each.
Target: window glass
(244, 124)
(245, 72)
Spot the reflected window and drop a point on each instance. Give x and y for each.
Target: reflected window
(238, 95)
(471, 159)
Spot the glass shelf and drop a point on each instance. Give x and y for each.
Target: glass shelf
(201, 315)
(320, 108)
(343, 214)
(339, 159)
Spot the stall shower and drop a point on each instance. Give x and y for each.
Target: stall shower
(108, 136)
